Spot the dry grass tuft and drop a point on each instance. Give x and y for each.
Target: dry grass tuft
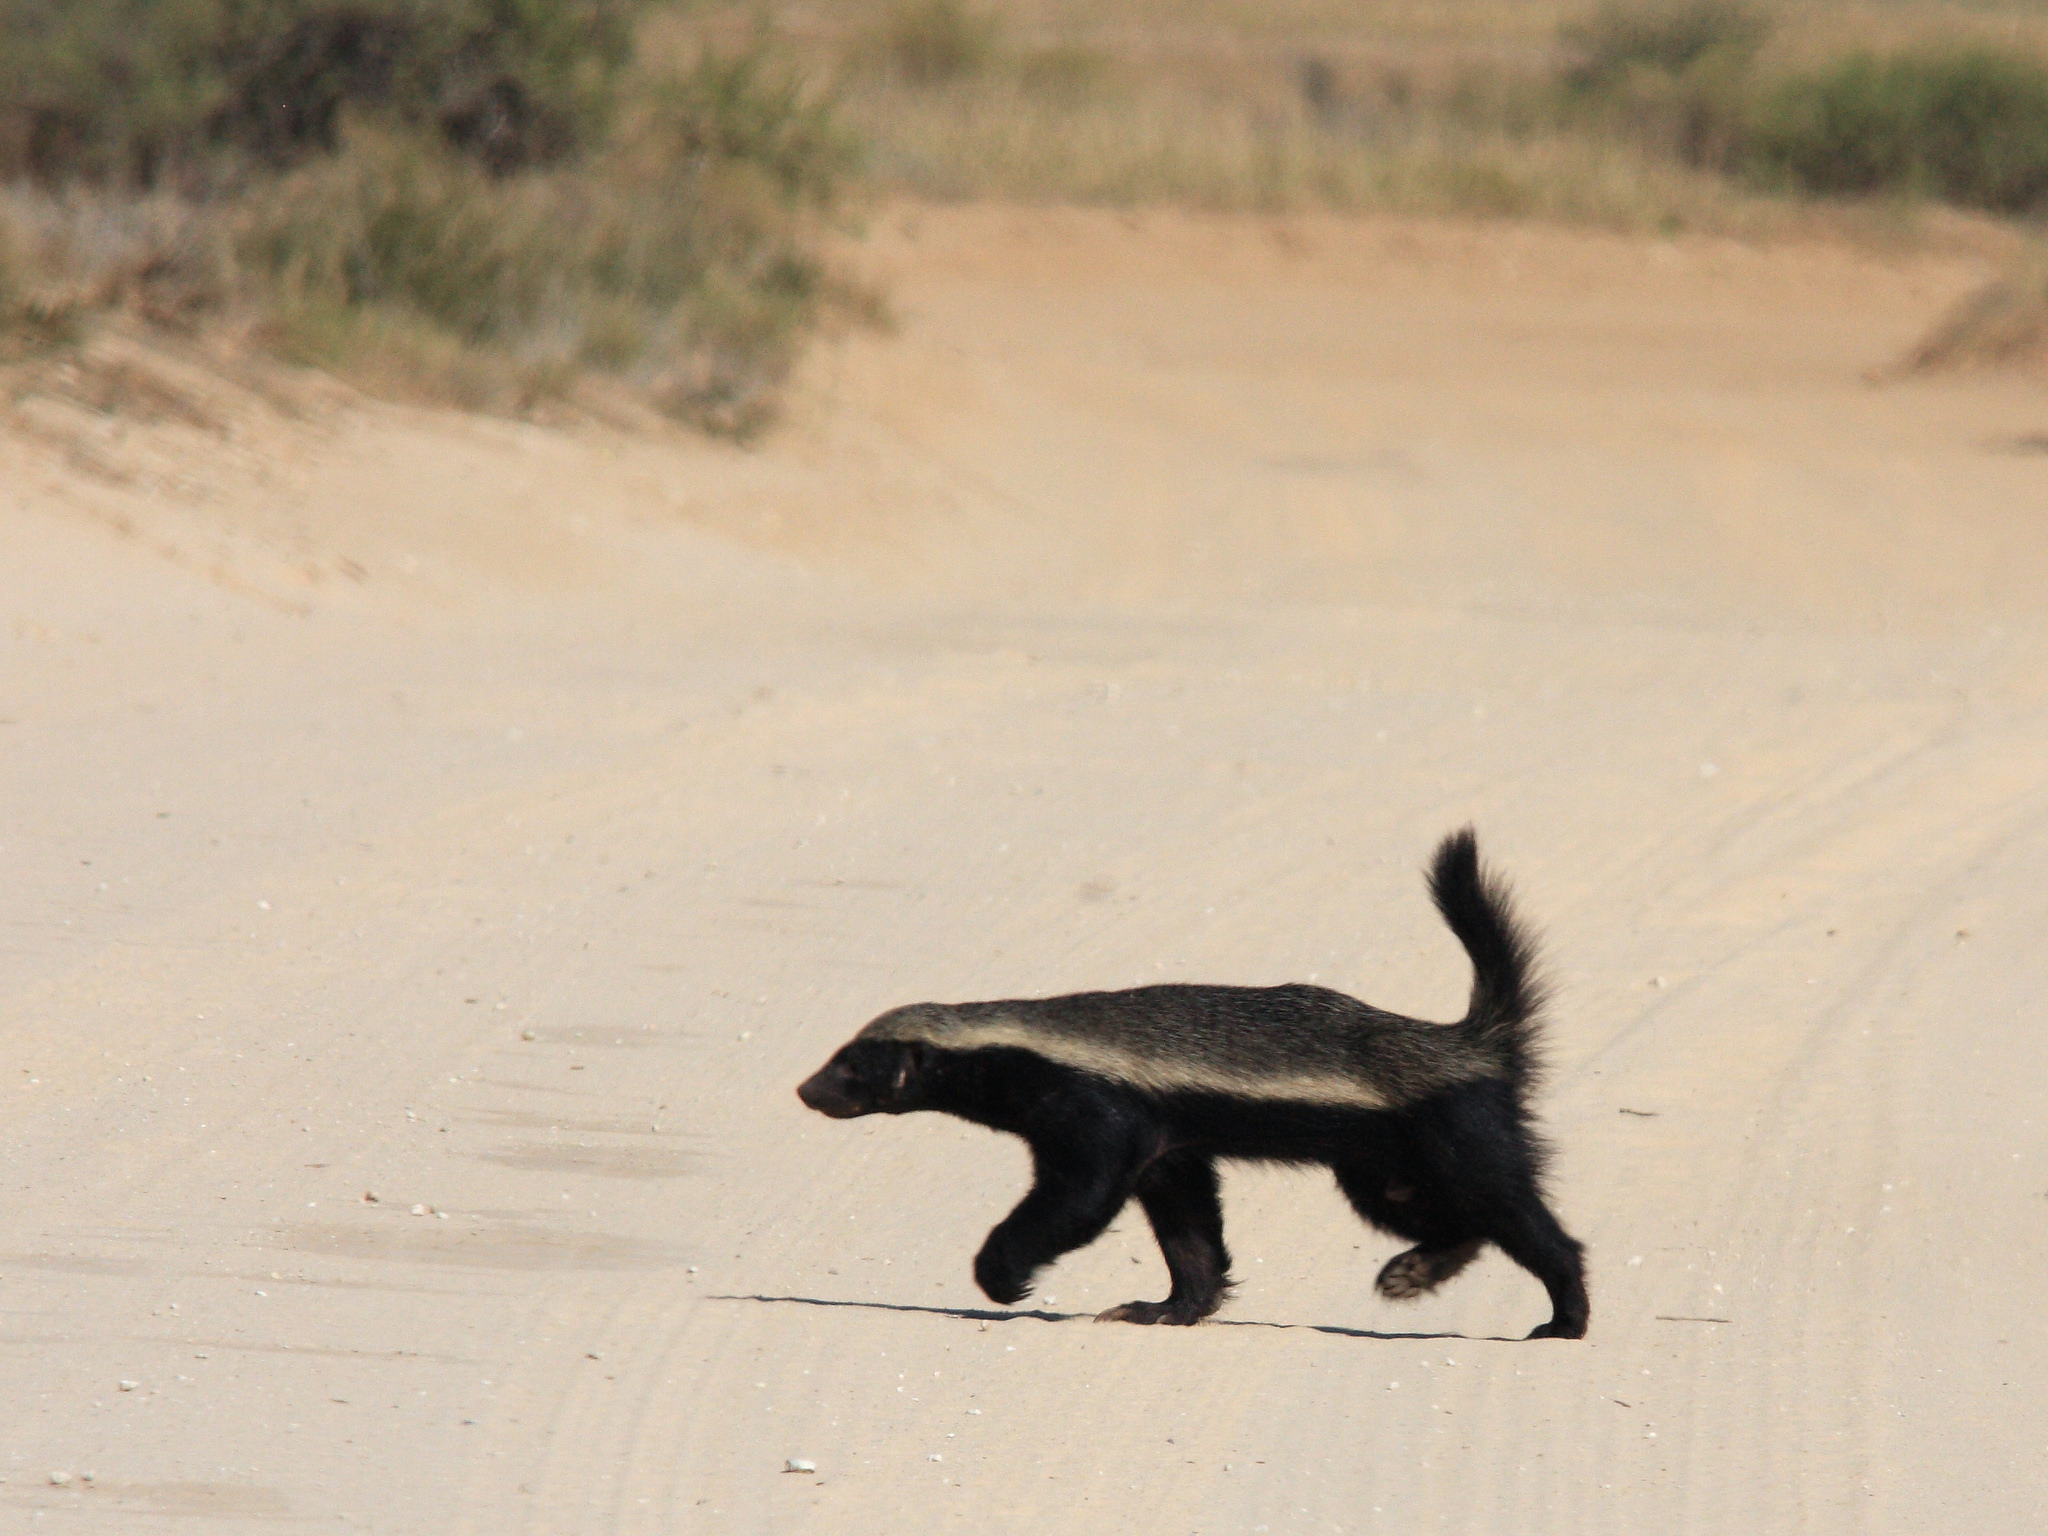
(1650, 114)
(1321, 143)
(2003, 326)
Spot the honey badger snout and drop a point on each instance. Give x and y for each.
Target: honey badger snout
(830, 1091)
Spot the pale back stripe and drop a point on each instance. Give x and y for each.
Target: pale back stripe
(1152, 1073)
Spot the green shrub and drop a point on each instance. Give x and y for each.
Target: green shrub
(398, 222)
(697, 279)
(744, 109)
(672, 237)
(149, 92)
(1968, 126)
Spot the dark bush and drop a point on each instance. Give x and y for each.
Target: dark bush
(681, 254)
(747, 109)
(1970, 127)
(150, 92)
(447, 195)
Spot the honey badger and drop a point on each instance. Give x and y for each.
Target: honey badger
(1426, 1126)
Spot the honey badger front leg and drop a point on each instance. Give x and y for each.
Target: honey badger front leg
(1180, 1198)
(1082, 1178)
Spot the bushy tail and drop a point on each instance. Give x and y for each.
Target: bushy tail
(1507, 992)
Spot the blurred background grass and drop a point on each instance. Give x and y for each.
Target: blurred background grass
(482, 201)
(1658, 115)
(494, 202)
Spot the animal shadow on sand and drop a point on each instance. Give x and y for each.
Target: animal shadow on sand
(990, 1315)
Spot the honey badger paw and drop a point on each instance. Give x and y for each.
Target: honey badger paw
(1176, 1314)
(999, 1280)
(1421, 1270)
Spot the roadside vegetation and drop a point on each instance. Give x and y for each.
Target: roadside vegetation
(505, 203)
(1639, 113)
(484, 201)
(1730, 116)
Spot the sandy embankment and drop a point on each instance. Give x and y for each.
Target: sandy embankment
(501, 821)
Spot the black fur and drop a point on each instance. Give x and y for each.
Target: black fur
(1429, 1132)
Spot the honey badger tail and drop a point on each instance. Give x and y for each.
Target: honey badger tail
(1507, 993)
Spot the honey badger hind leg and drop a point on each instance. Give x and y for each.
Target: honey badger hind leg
(1469, 1187)
(1179, 1194)
(1445, 1242)
(1527, 1233)
(1422, 1269)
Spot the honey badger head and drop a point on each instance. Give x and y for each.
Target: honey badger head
(871, 1074)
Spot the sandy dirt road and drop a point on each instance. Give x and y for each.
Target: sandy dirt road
(499, 823)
